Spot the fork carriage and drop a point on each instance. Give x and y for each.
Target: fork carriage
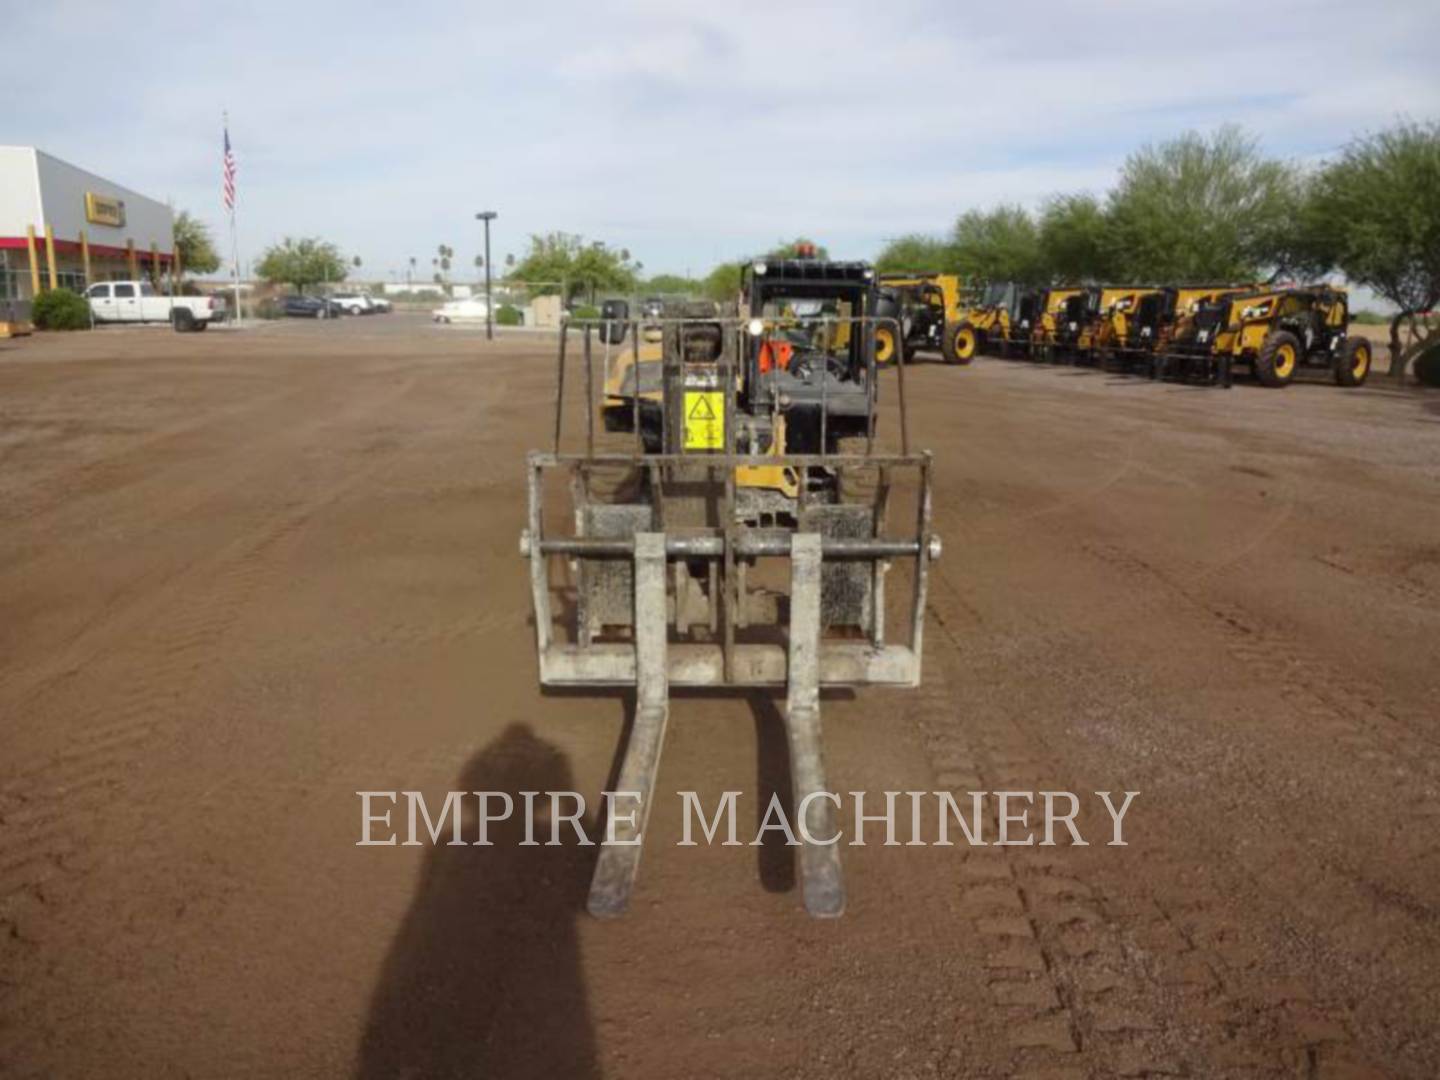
(674, 561)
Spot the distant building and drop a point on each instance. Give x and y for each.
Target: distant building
(63, 227)
(418, 288)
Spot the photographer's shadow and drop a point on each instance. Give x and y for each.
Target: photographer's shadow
(483, 978)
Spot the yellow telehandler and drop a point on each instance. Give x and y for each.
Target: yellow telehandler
(1275, 332)
(749, 542)
(928, 307)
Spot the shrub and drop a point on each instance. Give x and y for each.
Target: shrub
(508, 315)
(268, 308)
(584, 311)
(60, 309)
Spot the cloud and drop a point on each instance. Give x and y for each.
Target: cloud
(686, 134)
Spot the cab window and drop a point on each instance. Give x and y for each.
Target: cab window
(123, 291)
(99, 292)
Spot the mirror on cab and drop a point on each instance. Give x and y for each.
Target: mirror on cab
(614, 313)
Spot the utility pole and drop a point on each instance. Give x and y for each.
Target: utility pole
(488, 216)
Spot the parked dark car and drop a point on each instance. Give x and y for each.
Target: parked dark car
(310, 307)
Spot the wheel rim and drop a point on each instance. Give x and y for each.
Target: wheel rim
(884, 346)
(1285, 360)
(965, 344)
(1361, 363)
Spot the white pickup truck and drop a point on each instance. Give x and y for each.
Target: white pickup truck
(139, 302)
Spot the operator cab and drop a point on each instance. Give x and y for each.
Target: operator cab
(806, 357)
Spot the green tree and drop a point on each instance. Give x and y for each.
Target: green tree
(301, 263)
(723, 283)
(1202, 209)
(1001, 244)
(583, 267)
(672, 285)
(193, 242)
(791, 249)
(1074, 240)
(1375, 215)
(914, 253)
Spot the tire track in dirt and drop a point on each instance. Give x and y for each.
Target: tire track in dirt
(1313, 1032)
(50, 813)
(1281, 1026)
(206, 490)
(133, 463)
(110, 735)
(1401, 587)
(1098, 970)
(1343, 704)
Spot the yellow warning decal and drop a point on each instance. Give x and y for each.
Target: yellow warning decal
(704, 420)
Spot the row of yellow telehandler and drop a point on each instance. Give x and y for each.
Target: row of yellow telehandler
(1193, 332)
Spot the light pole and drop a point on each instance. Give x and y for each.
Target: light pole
(488, 216)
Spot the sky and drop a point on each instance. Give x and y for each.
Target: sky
(687, 133)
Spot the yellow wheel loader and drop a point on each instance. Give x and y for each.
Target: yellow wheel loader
(751, 542)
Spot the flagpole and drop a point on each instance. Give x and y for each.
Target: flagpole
(234, 236)
(235, 264)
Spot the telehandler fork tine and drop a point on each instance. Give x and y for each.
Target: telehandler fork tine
(625, 825)
(820, 877)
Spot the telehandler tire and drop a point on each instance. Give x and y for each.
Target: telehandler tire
(1278, 358)
(962, 342)
(1352, 366)
(885, 349)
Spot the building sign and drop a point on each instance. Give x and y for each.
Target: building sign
(104, 210)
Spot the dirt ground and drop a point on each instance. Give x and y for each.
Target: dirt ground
(245, 575)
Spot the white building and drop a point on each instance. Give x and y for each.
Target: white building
(61, 226)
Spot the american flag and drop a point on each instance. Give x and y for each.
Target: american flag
(229, 174)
